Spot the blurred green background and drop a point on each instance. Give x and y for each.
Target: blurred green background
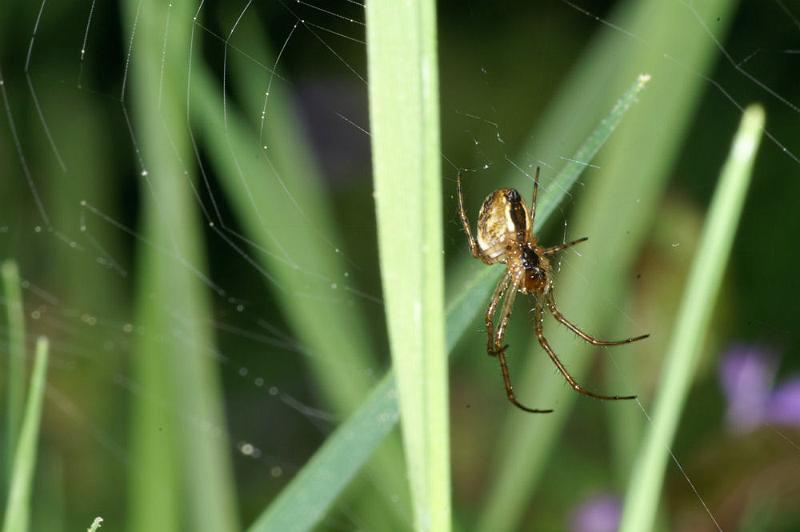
(209, 280)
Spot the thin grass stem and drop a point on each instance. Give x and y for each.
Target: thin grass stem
(17, 517)
(702, 287)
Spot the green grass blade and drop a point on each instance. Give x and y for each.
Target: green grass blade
(587, 151)
(15, 315)
(294, 209)
(404, 126)
(383, 501)
(284, 212)
(310, 494)
(339, 342)
(697, 305)
(303, 503)
(183, 478)
(353, 442)
(18, 508)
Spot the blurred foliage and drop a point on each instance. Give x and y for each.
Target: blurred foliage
(502, 66)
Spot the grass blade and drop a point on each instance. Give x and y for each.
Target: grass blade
(183, 477)
(353, 442)
(293, 211)
(279, 198)
(404, 123)
(18, 509)
(16, 364)
(697, 305)
(344, 335)
(303, 503)
(310, 494)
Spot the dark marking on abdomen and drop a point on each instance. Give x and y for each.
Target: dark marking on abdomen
(517, 213)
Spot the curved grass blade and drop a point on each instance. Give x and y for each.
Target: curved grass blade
(305, 500)
(697, 305)
(18, 509)
(353, 442)
(343, 335)
(183, 479)
(283, 209)
(16, 366)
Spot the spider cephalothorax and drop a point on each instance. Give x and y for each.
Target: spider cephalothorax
(505, 234)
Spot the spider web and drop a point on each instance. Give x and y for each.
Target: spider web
(77, 175)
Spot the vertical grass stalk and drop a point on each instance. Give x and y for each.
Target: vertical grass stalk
(182, 479)
(404, 122)
(699, 296)
(16, 365)
(18, 509)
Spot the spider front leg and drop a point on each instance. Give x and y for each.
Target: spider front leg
(552, 250)
(496, 339)
(539, 317)
(462, 213)
(535, 196)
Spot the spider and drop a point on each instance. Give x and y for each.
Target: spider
(505, 234)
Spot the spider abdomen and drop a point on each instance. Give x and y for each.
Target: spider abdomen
(503, 221)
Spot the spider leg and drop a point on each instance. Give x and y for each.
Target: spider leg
(552, 250)
(462, 213)
(505, 312)
(539, 317)
(501, 355)
(551, 305)
(499, 290)
(535, 194)
(496, 349)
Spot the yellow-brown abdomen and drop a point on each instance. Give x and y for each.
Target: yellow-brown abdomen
(502, 221)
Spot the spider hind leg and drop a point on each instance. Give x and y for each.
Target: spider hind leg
(507, 287)
(560, 365)
(501, 356)
(551, 306)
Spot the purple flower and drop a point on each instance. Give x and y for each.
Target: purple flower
(747, 375)
(600, 513)
(784, 404)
